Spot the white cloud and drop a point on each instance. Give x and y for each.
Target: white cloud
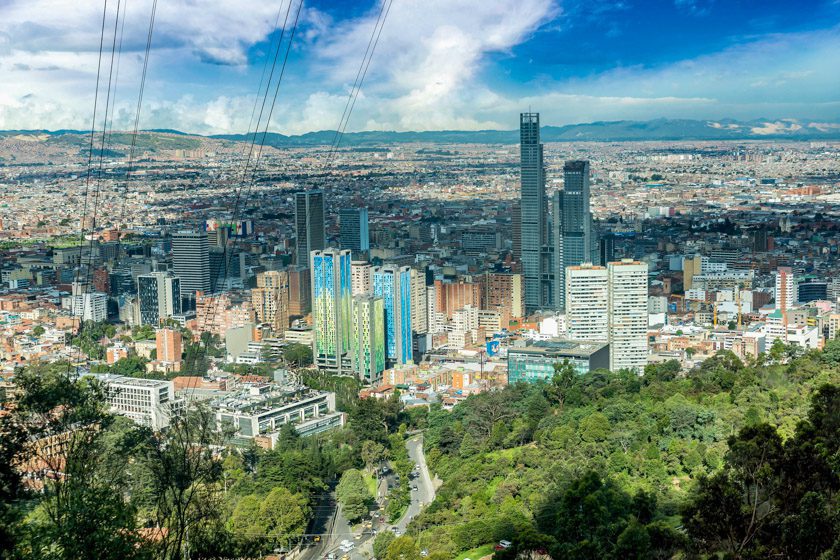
(430, 70)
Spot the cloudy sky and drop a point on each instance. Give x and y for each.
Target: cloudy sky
(440, 64)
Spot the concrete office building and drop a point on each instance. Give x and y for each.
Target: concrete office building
(148, 402)
(309, 225)
(536, 361)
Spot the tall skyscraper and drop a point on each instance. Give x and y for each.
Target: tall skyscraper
(332, 302)
(533, 208)
(587, 303)
(393, 285)
(159, 294)
(573, 222)
(628, 293)
(309, 224)
(270, 300)
(785, 288)
(368, 344)
(191, 262)
(353, 229)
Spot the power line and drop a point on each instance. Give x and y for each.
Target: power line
(87, 178)
(237, 200)
(360, 78)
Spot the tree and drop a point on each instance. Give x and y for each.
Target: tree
(633, 542)
(381, 543)
(402, 548)
(372, 454)
(353, 494)
(38, 330)
(298, 354)
(562, 381)
(82, 513)
(283, 516)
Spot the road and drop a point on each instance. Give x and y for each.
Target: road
(334, 525)
(425, 492)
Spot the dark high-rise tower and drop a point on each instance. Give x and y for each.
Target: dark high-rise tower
(309, 224)
(532, 207)
(191, 262)
(575, 223)
(353, 232)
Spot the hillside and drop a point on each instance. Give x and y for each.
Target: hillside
(615, 466)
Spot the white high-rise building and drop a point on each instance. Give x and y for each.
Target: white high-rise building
(360, 276)
(587, 303)
(90, 306)
(785, 288)
(628, 315)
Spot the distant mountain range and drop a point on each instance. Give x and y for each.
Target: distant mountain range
(613, 131)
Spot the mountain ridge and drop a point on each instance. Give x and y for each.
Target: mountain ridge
(599, 131)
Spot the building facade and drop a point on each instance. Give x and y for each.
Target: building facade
(368, 344)
(353, 229)
(628, 315)
(191, 262)
(532, 223)
(309, 225)
(587, 303)
(331, 308)
(159, 297)
(393, 285)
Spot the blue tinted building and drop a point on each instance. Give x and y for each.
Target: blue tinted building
(393, 285)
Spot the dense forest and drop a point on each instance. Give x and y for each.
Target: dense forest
(729, 459)
(733, 459)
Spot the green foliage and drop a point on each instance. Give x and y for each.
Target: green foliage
(353, 495)
(299, 355)
(602, 464)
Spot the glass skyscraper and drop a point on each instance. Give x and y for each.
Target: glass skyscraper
(353, 232)
(332, 302)
(310, 234)
(393, 285)
(572, 224)
(532, 208)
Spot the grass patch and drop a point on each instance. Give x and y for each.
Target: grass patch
(476, 553)
(371, 483)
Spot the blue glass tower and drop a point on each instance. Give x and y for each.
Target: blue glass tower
(393, 285)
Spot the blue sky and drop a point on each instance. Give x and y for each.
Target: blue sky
(440, 64)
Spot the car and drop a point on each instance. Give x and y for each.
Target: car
(330, 556)
(382, 519)
(503, 545)
(414, 487)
